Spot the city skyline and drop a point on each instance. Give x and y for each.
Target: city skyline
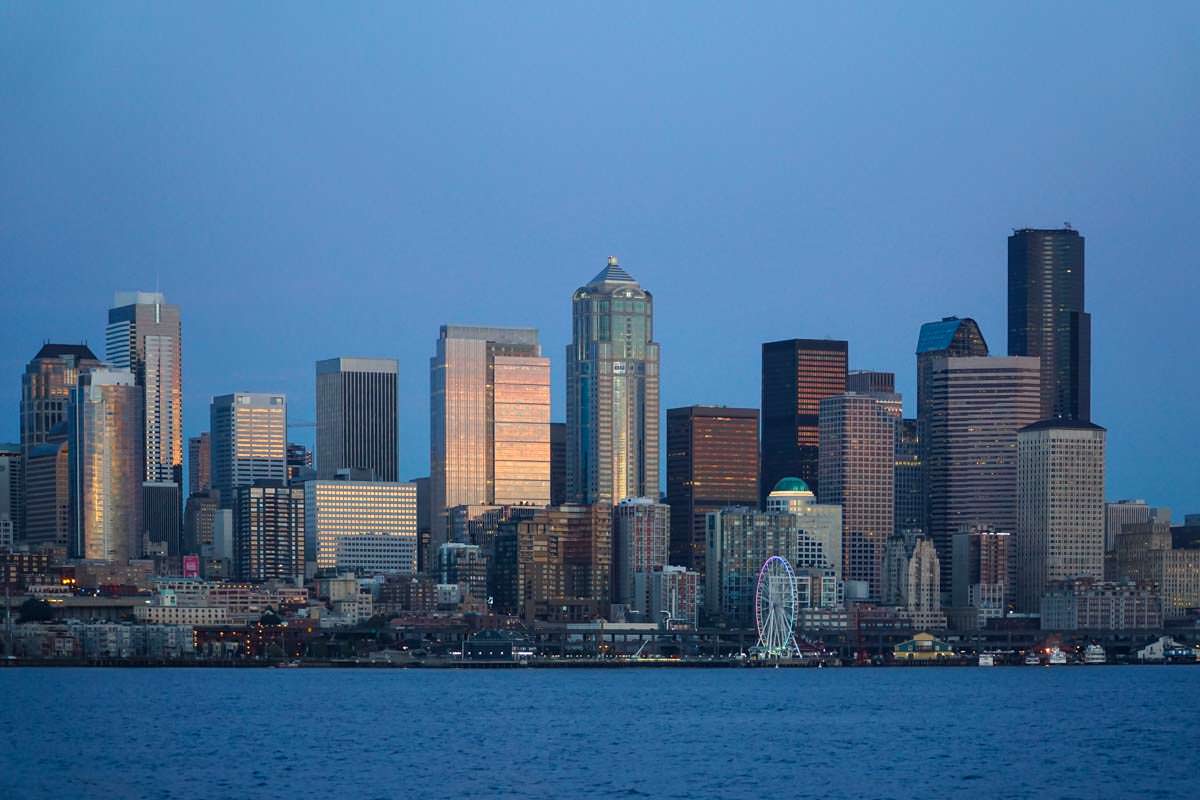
(498, 227)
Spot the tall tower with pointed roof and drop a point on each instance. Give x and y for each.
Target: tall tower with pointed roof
(612, 391)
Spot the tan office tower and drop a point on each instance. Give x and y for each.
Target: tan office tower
(106, 466)
(612, 391)
(1060, 519)
(356, 417)
(857, 462)
(976, 406)
(489, 421)
(144, 336)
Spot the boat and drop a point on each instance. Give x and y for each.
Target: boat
(1032, 659)
(1057, 656)
(1094, 654)
(987, 660)
(287, 665)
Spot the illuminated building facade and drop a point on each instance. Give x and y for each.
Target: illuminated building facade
(268, 538)
(641, 538)
(489, 421)
(612, 391)
(249, 441)
(340, 510)
(106, 466)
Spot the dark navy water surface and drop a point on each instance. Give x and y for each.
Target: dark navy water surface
(1085, 732)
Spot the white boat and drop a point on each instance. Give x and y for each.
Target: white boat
(1057, 656)
(987, 660)
(1094, 654)
(1032, 659)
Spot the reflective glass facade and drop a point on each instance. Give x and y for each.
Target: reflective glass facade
(612, 391)
(796, 375)
(489, 421)
(106, 466)
(249, 441)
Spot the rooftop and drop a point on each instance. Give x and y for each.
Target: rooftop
(1062, 424)
(612, 273)
(79, 351)
(791, 485)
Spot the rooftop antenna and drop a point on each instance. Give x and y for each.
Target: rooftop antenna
(1067, 225)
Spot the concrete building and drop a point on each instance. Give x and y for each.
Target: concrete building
(144, 336)
(796, 375)
(1119, 513)
(712, 462)
(981, 574)
(106, 465)
(490, 421)
(857, 467)
(1046, 317)
(869, 381)
(269, 534)
(1146, 553)
(12, 493)
(249, 441)
(1091, 605)
(667, 595)
(464, 564)
(1060, 523)
(820, 522)
(199, 463)
(337, 511)
(356, 417)
(740, 541)
(641, 539)
(911, 579)
(612, 391)
(975, 408)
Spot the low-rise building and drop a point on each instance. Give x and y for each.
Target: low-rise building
(1086, 604)
(923, 647)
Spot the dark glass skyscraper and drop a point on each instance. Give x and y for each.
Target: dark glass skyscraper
(796, 375)
(1046, 317)
(356, 417)
(712, 462)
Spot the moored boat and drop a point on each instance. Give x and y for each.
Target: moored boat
(1057, 656)
(987, 660)
(1094, 654)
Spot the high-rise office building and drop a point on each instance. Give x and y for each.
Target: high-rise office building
(796, 375)
(857, 469)
(1046, 317)
(12, 495)
(198, 516)
(47, 489)
(160, 515)
(612, 391)
(1060, 520)
(106, 465)
(869, 381)
(641, 538)
(489, 421)
(909, 495)
(911, 579)
(144, 336)
(299, 463)
(1119, 513)
(199, 463)
(381, 518)
(558, 463)
(712, 462)
(249, 441)
(975, 408)
(981, 573)
(46, 387)
(356, 417)
(269, 532)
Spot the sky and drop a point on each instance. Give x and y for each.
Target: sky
(308, 181)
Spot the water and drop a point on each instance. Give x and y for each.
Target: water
(378, 733)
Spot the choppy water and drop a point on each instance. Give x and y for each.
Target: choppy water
(251, 733)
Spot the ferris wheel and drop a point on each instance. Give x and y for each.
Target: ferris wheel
(775, 609)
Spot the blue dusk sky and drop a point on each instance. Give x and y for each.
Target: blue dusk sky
(309, 181)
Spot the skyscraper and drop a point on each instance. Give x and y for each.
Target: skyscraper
(269, 533)
(857, 469)
(199, 463)
(356, 417)
(249, 440)
(489, 421)
(796, 375)
(558, 463)
(712, 462)
(144, 336)
(1120, 513)
(909, 500)
(299, 463)
(1060, 520)
(870, 381)
(106, 465)
(11, 493)
(612, 391)
(1046, 317)
(361, 525)
(46, 387)
(975, 408)
(821, 523)
(161, 515)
